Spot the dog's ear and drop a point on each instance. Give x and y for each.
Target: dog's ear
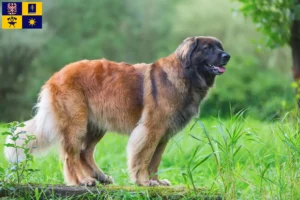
(185, 50)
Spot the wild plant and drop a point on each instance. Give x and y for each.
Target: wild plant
(225, 148)
(20, 171)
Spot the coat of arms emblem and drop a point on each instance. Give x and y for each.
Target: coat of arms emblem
(11, 8)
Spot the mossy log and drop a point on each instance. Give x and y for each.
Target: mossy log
(105, 192)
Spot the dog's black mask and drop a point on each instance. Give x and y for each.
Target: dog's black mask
(203, 54)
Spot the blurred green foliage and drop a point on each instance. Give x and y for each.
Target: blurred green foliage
(143, 31)
(273, 18)
(279, 21)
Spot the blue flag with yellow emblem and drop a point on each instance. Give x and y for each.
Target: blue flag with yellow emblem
(22, 15)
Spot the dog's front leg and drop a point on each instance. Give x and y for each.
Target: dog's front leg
(155, 161)
(140, 149)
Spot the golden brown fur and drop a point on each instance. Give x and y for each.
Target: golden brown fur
(150, 102)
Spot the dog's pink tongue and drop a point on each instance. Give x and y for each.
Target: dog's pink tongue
(221, 69)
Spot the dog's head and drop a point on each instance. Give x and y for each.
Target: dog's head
(202, 55)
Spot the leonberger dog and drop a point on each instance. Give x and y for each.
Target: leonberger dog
(150, 102)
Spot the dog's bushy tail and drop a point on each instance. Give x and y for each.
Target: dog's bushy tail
(42, 126)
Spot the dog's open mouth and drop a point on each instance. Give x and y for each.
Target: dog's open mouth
(221, 69)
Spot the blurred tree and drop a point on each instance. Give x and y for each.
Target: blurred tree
(14, 65)
(130, 31)
(18, 50)
(279, 20)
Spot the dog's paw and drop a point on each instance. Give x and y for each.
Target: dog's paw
(104, 179)
(150, 183)
(107, 180)
(153, 183)
(164, 182)
(87, 182)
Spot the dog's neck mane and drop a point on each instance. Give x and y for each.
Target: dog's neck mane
(187, 92)
(195, 81)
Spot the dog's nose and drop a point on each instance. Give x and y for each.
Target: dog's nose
(225, 57)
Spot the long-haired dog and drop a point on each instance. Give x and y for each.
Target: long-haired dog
(150, 102)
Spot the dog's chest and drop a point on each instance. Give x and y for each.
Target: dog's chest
(182, 117)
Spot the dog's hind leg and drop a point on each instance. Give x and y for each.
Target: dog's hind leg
(88, 161)
(73, 169)
(141, 147)
(71, 112)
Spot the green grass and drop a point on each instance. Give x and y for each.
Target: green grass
(240, 158)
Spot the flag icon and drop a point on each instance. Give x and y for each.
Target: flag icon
(11, 8)
(32, 22)
(22, 15)
(12, 22)
(32, 8)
